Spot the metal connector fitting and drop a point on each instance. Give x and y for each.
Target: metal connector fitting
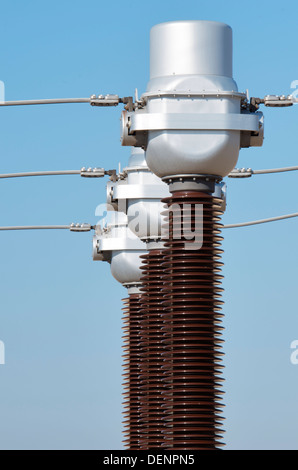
(92, 172)
(80, 227)
(98, 173)
(241, 173)
(276, 101)
(104, 100)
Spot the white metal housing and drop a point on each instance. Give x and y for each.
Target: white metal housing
(139, 195)
(119, 246)
(192, 112)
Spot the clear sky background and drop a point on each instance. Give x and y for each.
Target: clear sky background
(60, 316)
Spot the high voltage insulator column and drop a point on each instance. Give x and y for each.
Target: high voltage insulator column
(152, 335)
(192, 331)
(155, 386)
(138, 193)
(118, 245)
(144, 192)
(192, 122)
(132, 387)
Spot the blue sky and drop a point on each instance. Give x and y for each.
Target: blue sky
(60, 315)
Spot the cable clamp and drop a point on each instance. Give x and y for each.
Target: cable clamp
(93, 172)
(273, 101)
(241, 173)
(104, 100)
(80, 227)
(276, 101)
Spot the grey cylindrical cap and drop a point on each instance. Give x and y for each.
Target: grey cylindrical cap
(191, 47)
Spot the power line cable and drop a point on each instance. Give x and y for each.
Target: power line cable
(87, 227)
(275, 170)
(41, 173)
(100, 100)
(72, 227)
(45, 101)
(85, 172)
(262, 221)
(36, 227)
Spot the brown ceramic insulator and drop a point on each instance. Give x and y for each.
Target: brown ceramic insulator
(152, 360)
(192, 325)
(131, 373)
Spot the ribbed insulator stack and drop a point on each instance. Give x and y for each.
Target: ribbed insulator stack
(132, 353)
(152, 359)
(192, 368)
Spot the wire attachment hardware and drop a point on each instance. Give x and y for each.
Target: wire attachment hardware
(241, 173)
(271, 101)
(93, 172)
(80, 227)
(279, 101)
(104, 100)
(113, 100)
